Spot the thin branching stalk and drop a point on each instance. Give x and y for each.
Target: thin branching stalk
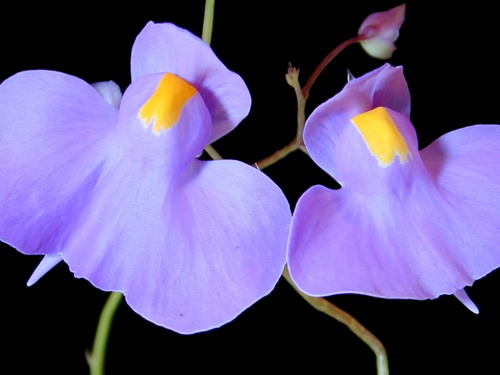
(344, 317)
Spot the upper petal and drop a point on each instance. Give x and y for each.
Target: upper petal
(163, 121)
(383, 87)
(54, 138)
(164, 47)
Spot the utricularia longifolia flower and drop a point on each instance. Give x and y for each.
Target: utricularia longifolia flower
(405, 223)
(120, 196)
(381, 29)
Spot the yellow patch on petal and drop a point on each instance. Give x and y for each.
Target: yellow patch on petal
(382, 136)
(165, 106)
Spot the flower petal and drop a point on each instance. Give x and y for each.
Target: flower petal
(464, 164)
(188, 253)
(48, 262)
(412, 247)
(110, 91)
(162, 48)
(147, 130)
(383, 87)
(462, 296)
(54, 131)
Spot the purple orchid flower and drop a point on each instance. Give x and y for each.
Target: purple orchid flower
(405, 224)
(120, 196)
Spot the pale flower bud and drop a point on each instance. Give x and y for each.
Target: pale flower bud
(381, 30)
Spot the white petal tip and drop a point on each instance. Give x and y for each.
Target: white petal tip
(465, 299)
(110, 91)
(48, 262)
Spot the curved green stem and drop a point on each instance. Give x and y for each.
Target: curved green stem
(278, 155)
(344, 317)
(96, 358)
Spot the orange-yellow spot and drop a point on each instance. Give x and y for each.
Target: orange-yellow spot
(165, 106)
(382, 136)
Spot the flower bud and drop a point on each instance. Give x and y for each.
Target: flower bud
(381, 29)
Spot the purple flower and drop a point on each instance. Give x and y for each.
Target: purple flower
(404, 224)
(120, 195)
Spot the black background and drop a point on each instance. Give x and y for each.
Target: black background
(449, 59)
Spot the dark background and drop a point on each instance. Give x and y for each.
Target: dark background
(449, 58)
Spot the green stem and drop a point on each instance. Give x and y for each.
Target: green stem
(344, 317)
(212, 152)
(208, 21)
(206, 35)
(278, 155)
(97, 357)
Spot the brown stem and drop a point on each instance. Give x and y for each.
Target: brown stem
(344, 317)
(324, 63)
(278, 155)
(292, 78)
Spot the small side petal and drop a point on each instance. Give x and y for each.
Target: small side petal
(462, 296)
(110, 91)
(163, 47)
(48, 262)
